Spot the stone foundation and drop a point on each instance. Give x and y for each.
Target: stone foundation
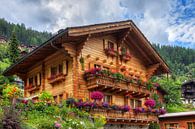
(117, 126)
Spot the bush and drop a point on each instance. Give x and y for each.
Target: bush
(154, 126)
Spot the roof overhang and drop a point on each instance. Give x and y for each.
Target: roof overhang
(79, 34)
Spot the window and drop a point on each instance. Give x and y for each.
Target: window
(110, 45)
(132, 103)
(97, 66)
(108, 99)
(60, 68)
(54, 71)
(191, 125)
(171, 126)
(135, 103)
(40, 78)
(61, 98)
(55, 99)
(36, 80)
(31, 81)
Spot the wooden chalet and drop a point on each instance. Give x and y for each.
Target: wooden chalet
(59, 66)
(188, 92)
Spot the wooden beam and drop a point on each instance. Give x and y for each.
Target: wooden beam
(135, 45)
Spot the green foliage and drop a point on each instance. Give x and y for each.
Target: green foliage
(154, 126)
(181, 60)
(46, 96)
(24, 35)
(13, 49)
(12, 91)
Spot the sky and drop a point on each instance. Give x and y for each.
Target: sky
(167, 22)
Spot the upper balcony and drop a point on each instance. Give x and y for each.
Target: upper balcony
(116, 83)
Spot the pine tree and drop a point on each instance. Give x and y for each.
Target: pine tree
(13, 49)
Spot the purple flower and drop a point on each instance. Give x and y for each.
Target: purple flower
(125, 108)
(97, 95)
(105, 105)
(150, 103)
(139, 110)
(162, 111)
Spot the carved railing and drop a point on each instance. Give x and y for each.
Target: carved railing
(113, 114)
(32, 88)
(56, 78)
(94, 81)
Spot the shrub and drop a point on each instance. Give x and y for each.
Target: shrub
(11, 119)
(46, 96)
(154, 126)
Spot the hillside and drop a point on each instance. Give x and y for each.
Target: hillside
(25, 35)
(181, 60)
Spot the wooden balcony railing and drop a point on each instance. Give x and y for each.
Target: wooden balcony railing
(31, 88)
(105, 83)
(56, 78)
(127, 116)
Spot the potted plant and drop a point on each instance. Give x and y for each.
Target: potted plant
(150, 103)
(97, 96)
(111, 52)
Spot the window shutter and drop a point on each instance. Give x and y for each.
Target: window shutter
(38, 79)
(49, 71)
(105, 43)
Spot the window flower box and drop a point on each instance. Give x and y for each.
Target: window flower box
(56, 78)
(111, 52)
(125, 57)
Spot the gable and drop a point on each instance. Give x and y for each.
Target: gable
(124, 31)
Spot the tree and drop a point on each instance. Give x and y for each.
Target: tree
(13, 49)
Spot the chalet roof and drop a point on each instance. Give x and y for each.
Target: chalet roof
(178, 114)
(79, 34)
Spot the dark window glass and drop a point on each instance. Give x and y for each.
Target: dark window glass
(36, 80)
(60, 68)
(108, 99)
(31, 81)
(110, 45)
(53, 71)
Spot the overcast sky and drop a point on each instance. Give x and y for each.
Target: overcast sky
(170, 22)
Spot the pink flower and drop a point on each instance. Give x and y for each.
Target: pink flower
(150, 103)
(57, 125)
(97, 95)
(156, 84)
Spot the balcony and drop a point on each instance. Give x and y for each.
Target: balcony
(127, 117)
(118, 87)
(56, 78)
(31, 88)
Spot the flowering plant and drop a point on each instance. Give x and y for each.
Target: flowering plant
(111, 52)
(105, 105)
(162, 111)
(156, 84)
(57, 125)
(97, 95)
(125, 108)
(150, 103)
(115, 107)
(139, 110)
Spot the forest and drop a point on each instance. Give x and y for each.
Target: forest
(25, 35)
